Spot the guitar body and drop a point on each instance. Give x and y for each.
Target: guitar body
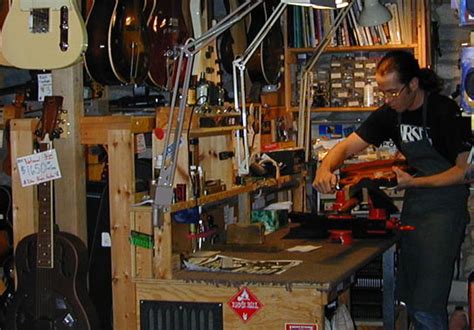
(273, 50)
(52, 298)
(129, 44)
(97, 60)
(46, 46)
(265, 66)
(166, 30)
(4, 6)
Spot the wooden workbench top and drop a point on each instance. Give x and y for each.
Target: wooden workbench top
(323, 268)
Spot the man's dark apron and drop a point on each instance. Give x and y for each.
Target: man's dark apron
(428, 253)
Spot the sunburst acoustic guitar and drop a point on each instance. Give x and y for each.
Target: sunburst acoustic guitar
(46, 34)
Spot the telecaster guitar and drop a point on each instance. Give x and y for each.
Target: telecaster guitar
(43, 34)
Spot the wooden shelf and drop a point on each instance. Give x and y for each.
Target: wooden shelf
(212, 131)
(349, 49)
(232, 192)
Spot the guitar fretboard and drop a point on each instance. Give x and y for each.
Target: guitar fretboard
(45, 242)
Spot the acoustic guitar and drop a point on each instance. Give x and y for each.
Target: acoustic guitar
(43, 34)
(166, 30)
(265, 66)
(97, 61)
(129, 46)
(50, 265)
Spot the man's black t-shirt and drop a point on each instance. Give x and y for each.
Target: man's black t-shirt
(448, 131)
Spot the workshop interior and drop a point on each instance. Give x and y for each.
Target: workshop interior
(157, 161)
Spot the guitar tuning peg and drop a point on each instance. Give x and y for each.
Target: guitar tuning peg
(63, 111)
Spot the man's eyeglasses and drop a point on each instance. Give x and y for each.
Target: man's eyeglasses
(393, 95)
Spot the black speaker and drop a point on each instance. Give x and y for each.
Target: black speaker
(467, 79)
(100, 268)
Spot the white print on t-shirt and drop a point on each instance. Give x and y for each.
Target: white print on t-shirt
(411, 133)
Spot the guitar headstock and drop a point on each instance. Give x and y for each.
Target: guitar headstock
(50, 125)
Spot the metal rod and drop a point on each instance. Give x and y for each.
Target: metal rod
(304, 108)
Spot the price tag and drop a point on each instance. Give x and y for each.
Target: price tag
(141, 145)
(38, 168)
(45, 85)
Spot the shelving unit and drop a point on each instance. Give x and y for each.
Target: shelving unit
(418, 47)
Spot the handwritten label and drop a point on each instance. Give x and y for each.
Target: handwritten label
(38, 168)
(45, 85)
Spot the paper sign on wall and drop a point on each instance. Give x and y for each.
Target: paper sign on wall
(39, 167)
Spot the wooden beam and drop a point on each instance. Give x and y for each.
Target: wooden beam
(121, 194)
(70, 190)
(94, 130)
(25, 208)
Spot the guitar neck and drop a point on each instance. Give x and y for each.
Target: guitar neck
(45, 243)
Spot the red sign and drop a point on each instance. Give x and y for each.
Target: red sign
(301, 326)
(245, 304)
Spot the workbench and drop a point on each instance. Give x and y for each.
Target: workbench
(297, 296)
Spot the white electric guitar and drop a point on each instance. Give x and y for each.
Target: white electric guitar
(43, 34)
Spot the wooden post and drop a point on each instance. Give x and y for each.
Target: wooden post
(121, 191)
(70, 205)
(25, 208)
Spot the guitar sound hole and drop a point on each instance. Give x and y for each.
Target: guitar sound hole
(39, 20)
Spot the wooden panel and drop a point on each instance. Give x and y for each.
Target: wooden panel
(214, 168)
(142, 258)
(25, 208)
(94, 129)
(163, 261)
(121, 193)
(280, 306)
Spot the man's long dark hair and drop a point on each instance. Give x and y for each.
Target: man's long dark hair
(407, 67)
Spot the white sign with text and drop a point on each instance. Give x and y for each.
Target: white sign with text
(39, 167)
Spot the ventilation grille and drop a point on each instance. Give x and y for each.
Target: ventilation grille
(171, 315)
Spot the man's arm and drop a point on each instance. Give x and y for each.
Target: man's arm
(325, 181)
(454, 175)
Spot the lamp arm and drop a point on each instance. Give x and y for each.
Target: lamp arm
(250, 50)
(164, 189)
(304, 108)
(239, 85)
(193, 47)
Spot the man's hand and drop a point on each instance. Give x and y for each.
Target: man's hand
(325, 181)
(404, 179)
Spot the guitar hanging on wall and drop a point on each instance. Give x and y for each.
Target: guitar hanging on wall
(50, 265)
(119, 51)
(43, 34)
(166, 30)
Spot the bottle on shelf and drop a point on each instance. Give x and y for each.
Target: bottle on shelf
(368, 94)
(192, 90)
(202, 90)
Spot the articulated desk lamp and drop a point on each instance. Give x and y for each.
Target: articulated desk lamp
(372, 14)
(164, 190)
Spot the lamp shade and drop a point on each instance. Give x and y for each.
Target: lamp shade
(318, 4)
(342, 3)
(374, 13)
